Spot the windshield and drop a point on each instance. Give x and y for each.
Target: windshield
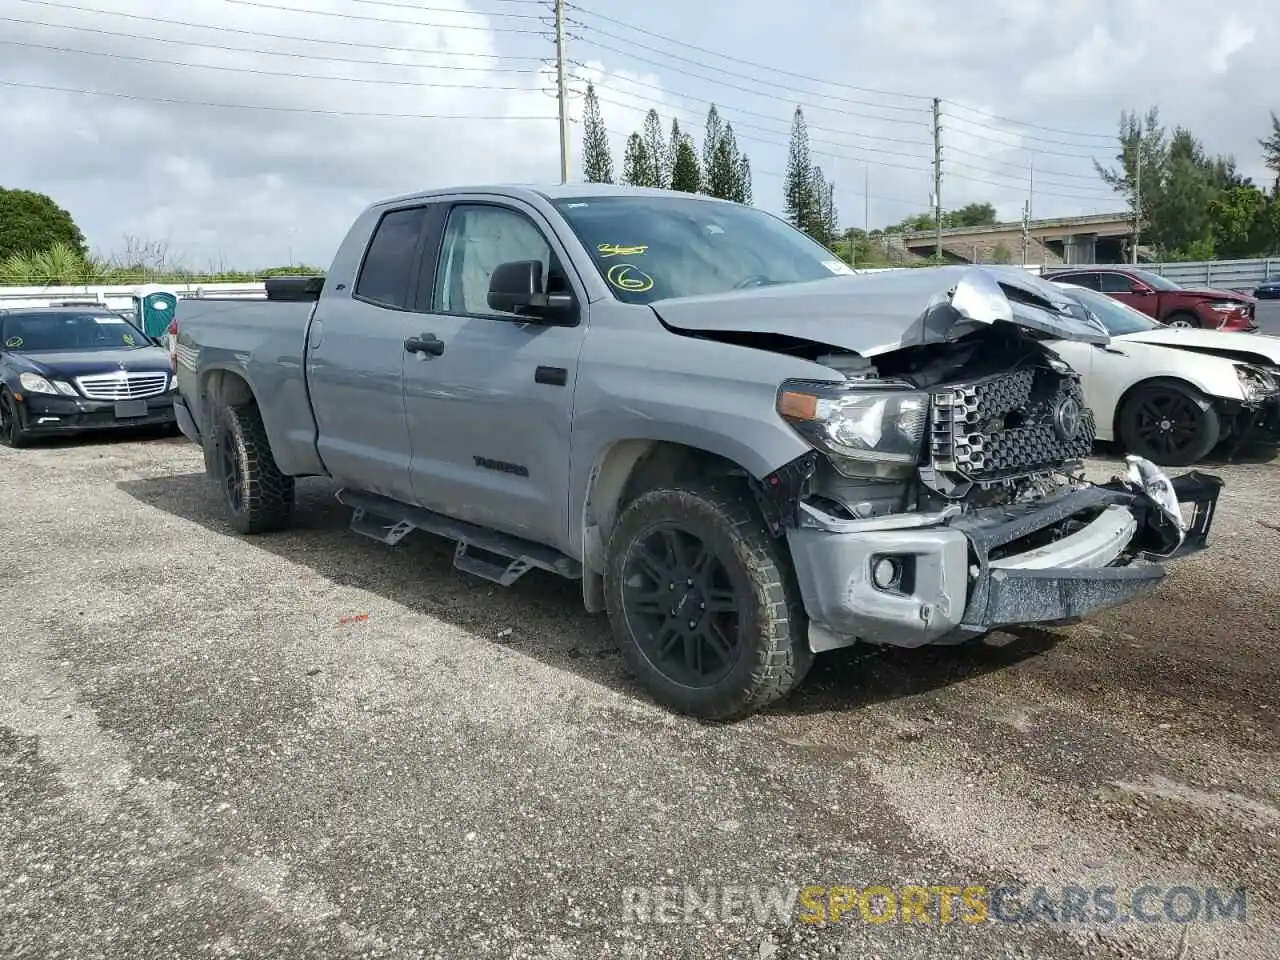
(652, 248)
(34, 332)
(1155, 281)
(1118, 318)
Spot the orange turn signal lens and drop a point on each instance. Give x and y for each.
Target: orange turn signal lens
(798, 406)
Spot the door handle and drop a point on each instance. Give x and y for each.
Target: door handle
(427, 343)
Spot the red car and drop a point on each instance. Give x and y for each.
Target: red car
(1163, 300)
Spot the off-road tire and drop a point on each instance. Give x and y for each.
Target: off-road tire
(773, 649)
(11, 433)
(1208, 424)
(265, 495)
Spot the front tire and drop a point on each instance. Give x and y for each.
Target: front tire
(258, 498)
(1182, 319)
(703, 603)
(1171, 424)
(11, 432)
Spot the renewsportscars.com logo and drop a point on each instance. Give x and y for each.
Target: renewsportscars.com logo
(934, 904)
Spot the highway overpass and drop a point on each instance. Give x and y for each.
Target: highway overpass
(1098, 238)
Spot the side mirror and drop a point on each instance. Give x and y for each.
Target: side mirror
(516, 287)
(1141, 290)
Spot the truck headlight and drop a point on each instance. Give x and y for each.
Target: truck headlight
(1255, 382)
(34, 383)
(1226, 306)
(866, 430)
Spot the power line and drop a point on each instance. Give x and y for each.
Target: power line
(408, 23)
(273, 109)
(966, 124)
(749, 63)
(750, 113)
(414, 6)
(268, 73)
(918, 122)
(1039, 192)
(1081, 134)
(271, 36)
(826, 82)
(1092, 178)
(751, 126)
(486, 68)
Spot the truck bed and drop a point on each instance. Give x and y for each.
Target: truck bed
(264, 342)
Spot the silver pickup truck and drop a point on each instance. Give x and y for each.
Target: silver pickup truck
(745, 453)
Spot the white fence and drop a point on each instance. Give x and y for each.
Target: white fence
(120, 297)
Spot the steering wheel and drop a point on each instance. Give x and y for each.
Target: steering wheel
(755, 280)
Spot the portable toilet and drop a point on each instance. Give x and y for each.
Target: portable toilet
(154, 307)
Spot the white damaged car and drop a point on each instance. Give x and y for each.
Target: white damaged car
(1172, 394)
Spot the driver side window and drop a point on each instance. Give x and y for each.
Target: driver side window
(479, 238)
(1115, 283)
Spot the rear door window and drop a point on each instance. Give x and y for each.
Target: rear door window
(1089, 280)
(1115, 283)
(389, 274)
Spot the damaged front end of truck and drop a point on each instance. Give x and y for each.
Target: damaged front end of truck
(945, 493)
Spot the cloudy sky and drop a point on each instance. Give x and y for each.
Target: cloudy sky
(243, 134)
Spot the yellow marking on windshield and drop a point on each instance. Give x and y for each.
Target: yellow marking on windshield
(128, 340)
(618, 250)
(629, 278)
(13, 343)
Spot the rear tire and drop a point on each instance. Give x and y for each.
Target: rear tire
(11, 432)
(703, 602)
(257, 497)
(1171, 424)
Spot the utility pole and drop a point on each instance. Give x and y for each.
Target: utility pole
(562, 93)
(1031, 186)
(1137, 198)
(937, 178)
(1026, 230)
(866, 202)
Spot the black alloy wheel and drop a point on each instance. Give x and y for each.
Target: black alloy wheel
(682, 606)
(1169, 424)
(11, 432)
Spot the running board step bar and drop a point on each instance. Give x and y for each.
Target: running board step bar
(482, 552)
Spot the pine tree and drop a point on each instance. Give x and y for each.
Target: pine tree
(744, 180)
(722, 178)
(685, 174)
(798, 185)
(637, 169)
(730, 158)
(1271, 154)
(655, 145)
(817, 225)
(710, 140)
(673, 150)
(597, 162)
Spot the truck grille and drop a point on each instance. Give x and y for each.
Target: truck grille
(122, 385)
(1009, 425)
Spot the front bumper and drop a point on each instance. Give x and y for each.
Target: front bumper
(1256, 422)
(963, 575)
(42, 413)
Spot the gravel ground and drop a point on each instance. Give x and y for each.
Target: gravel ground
(311, 745)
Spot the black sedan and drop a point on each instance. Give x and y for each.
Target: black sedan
(72, 369)
(1268, 290)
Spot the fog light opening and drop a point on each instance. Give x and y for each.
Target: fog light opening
(886, 573)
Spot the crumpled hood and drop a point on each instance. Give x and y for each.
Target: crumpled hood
(1249, 347)
(876, 313)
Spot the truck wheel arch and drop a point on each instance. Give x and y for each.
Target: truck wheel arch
(626, 469)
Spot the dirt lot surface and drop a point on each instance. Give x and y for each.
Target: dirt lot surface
(208, 750)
